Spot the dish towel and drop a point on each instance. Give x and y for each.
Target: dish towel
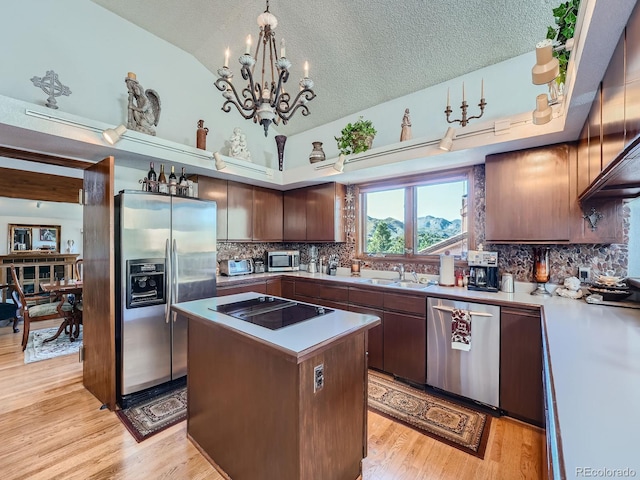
(460, 330)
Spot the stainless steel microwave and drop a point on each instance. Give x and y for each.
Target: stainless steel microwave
(283, 261)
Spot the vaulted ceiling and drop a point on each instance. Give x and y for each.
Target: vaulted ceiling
(361, 52)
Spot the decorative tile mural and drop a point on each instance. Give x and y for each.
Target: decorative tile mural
(515, 259)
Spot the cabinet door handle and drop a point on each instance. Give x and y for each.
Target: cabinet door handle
(451, 309)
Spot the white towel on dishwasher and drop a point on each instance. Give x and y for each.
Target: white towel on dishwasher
(460, 329)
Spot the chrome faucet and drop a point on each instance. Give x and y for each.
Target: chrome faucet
(400, 270)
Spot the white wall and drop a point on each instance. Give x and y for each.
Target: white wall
(510, 79)
(92, 50)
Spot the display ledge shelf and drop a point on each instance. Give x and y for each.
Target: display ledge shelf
(34, 128)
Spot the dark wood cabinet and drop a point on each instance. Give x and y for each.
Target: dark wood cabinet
(258, 286)
(215, 189)
(295, 215)
(405, 346)
(595, 136)
(324, 213)
(314, 214)
(521, 391)
(274, 287)
(240, 211)
(322, 293)
(267, 215)
(613, 106)
(369, 302)
(532, 197)
(527, 195)
(632, 76)
(288, 288)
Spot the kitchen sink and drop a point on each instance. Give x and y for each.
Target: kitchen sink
(409, 285)
(379, 281)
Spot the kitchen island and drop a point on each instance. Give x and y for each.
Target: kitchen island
(282, 404)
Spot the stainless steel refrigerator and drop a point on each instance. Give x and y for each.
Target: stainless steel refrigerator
(165, 253)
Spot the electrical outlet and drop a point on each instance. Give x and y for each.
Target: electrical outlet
(583, 274)
(318, 377)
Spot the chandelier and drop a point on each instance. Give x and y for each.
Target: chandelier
(264, 99)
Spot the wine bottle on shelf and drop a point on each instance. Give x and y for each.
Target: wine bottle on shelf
(162, 181)
(152, 186)
(173, 182)
(182, 181)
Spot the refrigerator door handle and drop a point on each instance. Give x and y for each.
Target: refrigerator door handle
(174, 276)
(450, 310)
(167, 281)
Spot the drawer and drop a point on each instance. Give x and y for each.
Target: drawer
(324, 291)
(368, 298)
(399, 302)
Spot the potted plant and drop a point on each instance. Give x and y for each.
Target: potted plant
(356, 137)
(566, 15)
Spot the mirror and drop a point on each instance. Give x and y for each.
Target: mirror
(34, 238)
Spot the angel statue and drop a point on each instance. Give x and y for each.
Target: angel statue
(143, 108)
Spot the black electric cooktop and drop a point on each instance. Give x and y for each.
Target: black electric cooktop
(270, 312)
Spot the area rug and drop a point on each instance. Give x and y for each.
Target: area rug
(455, 425)
(153, 416)
(38, 350)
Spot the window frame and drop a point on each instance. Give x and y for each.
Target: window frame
(408, 182)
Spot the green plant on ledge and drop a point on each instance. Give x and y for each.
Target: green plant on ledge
(566, 15)
(356, 137)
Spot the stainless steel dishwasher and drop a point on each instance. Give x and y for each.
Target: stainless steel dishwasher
(475, 373)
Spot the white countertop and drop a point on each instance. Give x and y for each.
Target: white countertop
(296, 339)
(594, 353)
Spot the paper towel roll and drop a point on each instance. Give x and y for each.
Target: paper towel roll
(447, 274)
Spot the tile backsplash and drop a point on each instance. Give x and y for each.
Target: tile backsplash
(516, 259)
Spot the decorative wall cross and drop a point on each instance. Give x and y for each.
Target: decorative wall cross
(52, 87)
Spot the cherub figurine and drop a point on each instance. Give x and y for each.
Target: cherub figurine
(238, 145)
(143, 108)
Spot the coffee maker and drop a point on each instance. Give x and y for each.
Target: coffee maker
(483, 271)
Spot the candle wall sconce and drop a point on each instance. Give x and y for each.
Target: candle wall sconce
(464, 107)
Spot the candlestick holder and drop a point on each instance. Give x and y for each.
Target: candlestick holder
(464, 120)
(541, 273)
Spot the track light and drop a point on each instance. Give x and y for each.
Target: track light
(447, 141)
(220, 165)
(546, 69)
(543, 112)
(113, 135)
(339, 165)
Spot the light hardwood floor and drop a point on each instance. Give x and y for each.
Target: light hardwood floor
(52, 428)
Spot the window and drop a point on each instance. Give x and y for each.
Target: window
(416, 217)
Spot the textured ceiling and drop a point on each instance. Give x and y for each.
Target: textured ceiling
(361, 52)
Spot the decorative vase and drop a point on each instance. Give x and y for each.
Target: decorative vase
(280, 141)
(541, 270)
(317, 154)
(201, 135)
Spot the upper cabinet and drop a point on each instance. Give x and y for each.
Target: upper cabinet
(245, 213)
(532, 197)
(215, 189)
(267, 215)
(315, 214)
(618, 107)
(527, 195)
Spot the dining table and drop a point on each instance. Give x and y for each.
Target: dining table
(66, 291)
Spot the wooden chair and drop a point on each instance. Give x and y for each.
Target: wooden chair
(79, 270)
(9, 310)
(36, 313)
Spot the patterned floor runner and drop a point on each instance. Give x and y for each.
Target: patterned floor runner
(458, 426)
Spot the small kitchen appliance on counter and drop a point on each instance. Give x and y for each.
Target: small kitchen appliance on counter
(258, 265)
(231, 267)
(483, 271)
(283, 261)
